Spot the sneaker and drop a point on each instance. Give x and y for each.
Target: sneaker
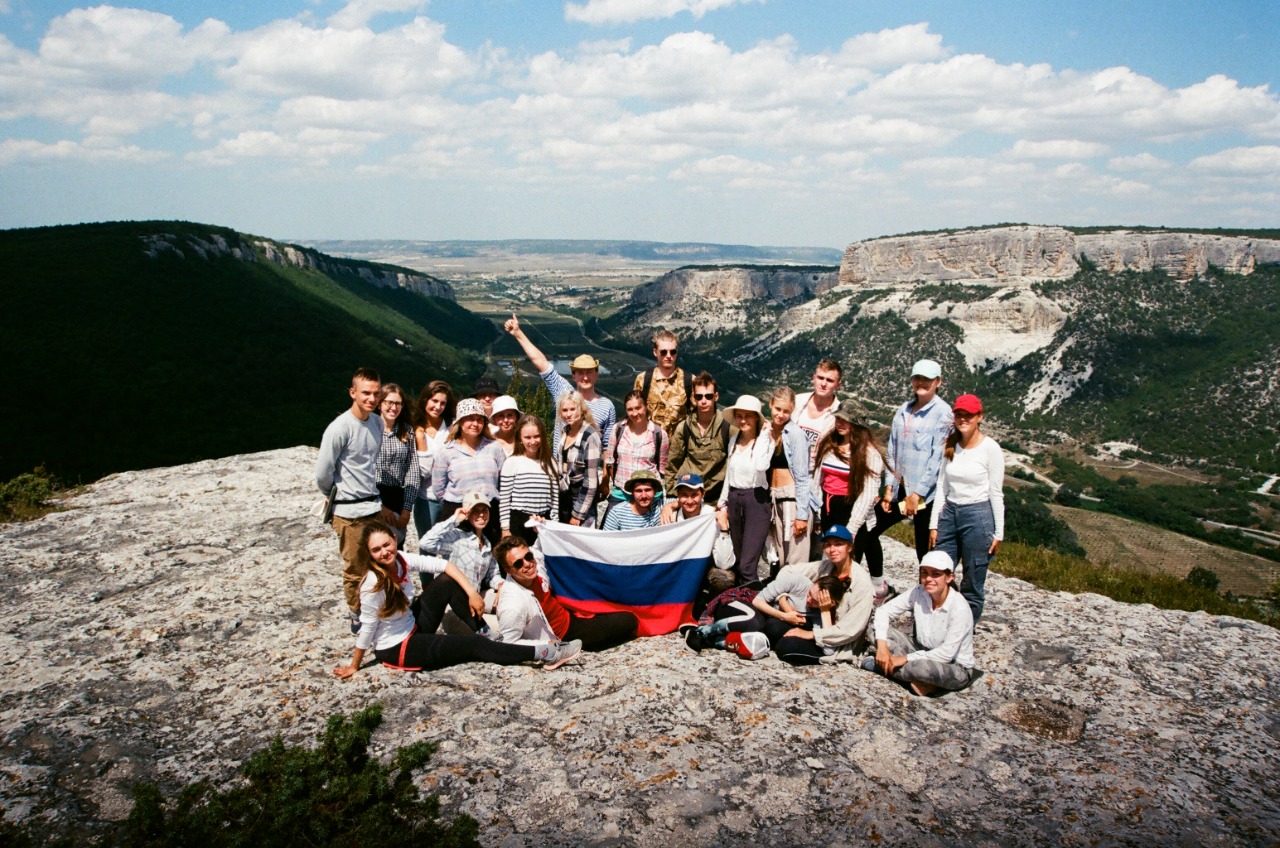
(561, 653)
(884, 593)
(355, 622)
(693, 638)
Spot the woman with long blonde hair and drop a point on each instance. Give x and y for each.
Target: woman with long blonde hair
(579, 460)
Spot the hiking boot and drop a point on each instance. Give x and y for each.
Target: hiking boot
(693, 638)
(560, 653)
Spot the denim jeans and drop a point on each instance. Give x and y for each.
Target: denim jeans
(944, 675)
(966, 532)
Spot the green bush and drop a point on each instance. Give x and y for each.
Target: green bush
(27, 495)
(1202, 578)
(333, 795)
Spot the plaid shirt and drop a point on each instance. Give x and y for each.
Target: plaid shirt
(580, 471)
(398, 466)
(915, 447)
(602, 409)
(473, 557)
(631, 453)
(459, 470)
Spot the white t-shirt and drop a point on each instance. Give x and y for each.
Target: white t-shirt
(973, 476)
(814, 427)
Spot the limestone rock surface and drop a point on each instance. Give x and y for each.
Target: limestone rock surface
(169, 622)
(1020, 255)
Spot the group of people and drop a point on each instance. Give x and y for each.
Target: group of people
(802, 490)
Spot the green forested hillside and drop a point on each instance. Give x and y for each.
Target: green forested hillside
(130, 360)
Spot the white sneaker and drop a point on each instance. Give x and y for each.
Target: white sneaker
(560, 653)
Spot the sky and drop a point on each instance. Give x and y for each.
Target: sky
(767, 122)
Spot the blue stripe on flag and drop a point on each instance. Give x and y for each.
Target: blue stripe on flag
(580, 579)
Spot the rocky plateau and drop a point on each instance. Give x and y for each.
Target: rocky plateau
(203, 616)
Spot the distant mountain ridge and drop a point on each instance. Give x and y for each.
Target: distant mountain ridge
(1163, 339)
(162, 342)
(648, 251)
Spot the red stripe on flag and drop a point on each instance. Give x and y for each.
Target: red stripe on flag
(655, 620)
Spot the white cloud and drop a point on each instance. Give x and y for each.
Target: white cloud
(1242, 161)
(1057, 149)
(290, 58)
(1139, 162)
(358, 13)
(16, 151)
(107, 47)
(629, 11)
(890, 48)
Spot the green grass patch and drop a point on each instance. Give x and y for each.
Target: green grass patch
(1059, 572)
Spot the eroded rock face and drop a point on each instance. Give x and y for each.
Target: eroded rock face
(1006, 256)
(171, 621)
(708, 301)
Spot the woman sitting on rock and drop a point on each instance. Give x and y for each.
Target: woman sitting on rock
(390, 614)
(939, 653)
(461, 539)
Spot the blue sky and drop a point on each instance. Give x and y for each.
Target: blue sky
(814, 122)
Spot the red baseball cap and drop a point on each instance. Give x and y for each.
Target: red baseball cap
(967, 403)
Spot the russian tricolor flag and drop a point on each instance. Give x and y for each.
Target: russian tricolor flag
(655, 572)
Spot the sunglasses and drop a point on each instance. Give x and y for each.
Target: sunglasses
(703, 396)
(671, 352)
(527, 559)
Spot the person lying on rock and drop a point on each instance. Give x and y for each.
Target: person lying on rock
(400, 630)
(791, 600)
(938, 654)
(847, 635)
(528, 612)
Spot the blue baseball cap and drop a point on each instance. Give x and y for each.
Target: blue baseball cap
(838, 531)
(690, 481)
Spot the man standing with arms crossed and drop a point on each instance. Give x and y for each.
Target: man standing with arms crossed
(348, 463)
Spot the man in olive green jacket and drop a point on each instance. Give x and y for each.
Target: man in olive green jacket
(700, 443)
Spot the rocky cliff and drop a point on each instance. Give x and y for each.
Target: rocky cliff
(705, 300)
(169, 622)
(290, 255)
(1021, 255)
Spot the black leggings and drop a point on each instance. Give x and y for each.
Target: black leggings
(428, 608)
(428, 652)
(603, 630)
(867, 542)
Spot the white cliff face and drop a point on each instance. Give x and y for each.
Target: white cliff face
(170, 622)
(708, 301)
(1009, 256)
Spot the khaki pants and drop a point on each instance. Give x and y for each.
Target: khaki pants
(349, 531)
(790, 550)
